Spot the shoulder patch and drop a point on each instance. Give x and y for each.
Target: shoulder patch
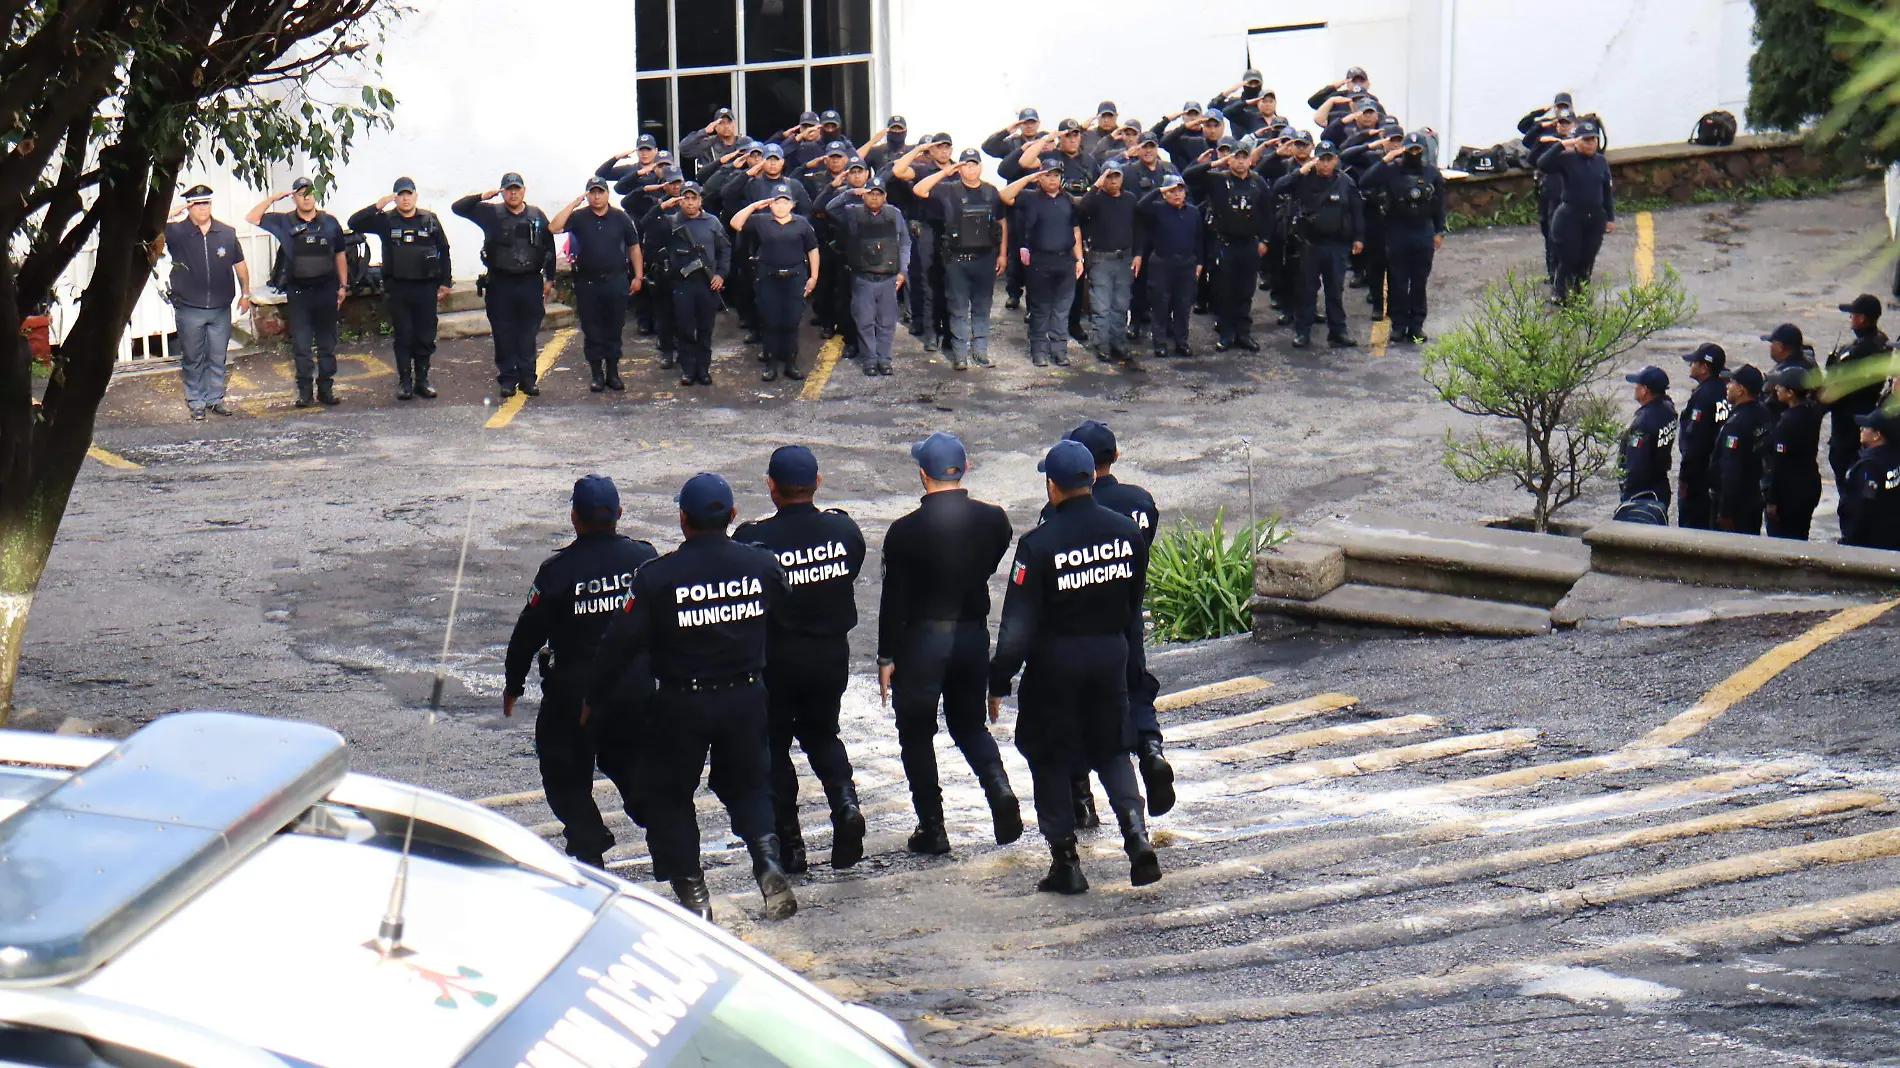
(1021, 573)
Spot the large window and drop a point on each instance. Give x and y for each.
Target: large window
(768, 60)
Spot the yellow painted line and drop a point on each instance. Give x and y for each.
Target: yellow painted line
(1382, 330)
(513, 405)
(1282, 744)
(1304, 708)
(1213, 691)
(1379, 760)
(828, 354)
(1645, 247)
(1756, 675)
(113, 459)
(1410, 801)
(237, 380)
(1617, 803)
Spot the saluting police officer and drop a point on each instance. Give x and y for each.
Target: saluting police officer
(785, 273)
(698, 255)
(313, 241)
(877, 246)
(1700, 423)
(1051, 254)
(1414, 194)
(654, 237)
(699, 613)
(208, 273)
(975, 227)
(808, 650)
(518, 249)
(933, 638)
(1870, 494)
(1237, 201)
(575, 595)
(1168, 246)
(1329, 225)
(1106, 215)
(1735, 472)
(1587, 209)
(1793, 477)
(1646, 444)
(1071, 622)
(416, 277)
(609, 268)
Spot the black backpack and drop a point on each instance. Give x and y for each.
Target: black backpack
(1479, 160)
(1715, 129)
(1643, 509)
(363, 278)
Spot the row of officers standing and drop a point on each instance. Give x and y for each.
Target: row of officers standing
(1750, 442)
(736, 644)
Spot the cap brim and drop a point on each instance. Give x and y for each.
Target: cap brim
(1849, 308)
(1635, 380)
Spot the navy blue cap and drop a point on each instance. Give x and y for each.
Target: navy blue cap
(1788, 334)
(1302, 137)
(1226, 142)
(1748, 377)
(1028, 115)
(1106, 107)
(1213, 116)
(201, 193)
(302, 184)
(1586, 128)
(831, 117)
(1129, 124)
(745, 144)
(1170, 181)
(595, 498)
(941, 456)
(1368, 104)
(647, 141)
(1791, 376)
(837, 148)
(1191, 107)
(1049, 163)
(969, 155)
(857, 164)
(1098, 437)
(1113, 167)
(403, 185)
(692, 189)
(782, 191)
(1710, 354)
(671, 174)
(722, 113)
(705, 496)
(1147, 139)
(1415, 140)
(1069, 465)
(876, 183)
(1885, 419)
(773, 151)
(512, 179)
(596, 182)
(808, 118)
(1068, 126)
(1356, 72)
(1250, 75)
(1323, 147)
(940, 138)
(1653, 377)
(793, 465)
(1866, 304)
(897, 123)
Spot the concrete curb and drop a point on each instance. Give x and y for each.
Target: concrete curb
(1715, 558)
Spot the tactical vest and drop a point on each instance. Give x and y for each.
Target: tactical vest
(409, 253)
(1326, 212)
(1233, 209)
(973, 226)
(874, 248)
(312, 256)
(1416, 198)
(514, 245)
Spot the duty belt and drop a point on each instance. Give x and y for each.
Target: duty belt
(1110, 254)
(970, 254)
(939, 626)
(716, 682)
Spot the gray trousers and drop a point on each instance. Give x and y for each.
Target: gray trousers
(204, 341)
(874, 310)
(1111, 284)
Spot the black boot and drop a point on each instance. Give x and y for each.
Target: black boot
(791, 846)
(596, 379)
(405, 389)
(423, 388)
(1157, 775)
(770, 374)
(1006, 814)
(776, 888)
(614, 381)
(1084, 797)
(306, 397)
(847, 823)
(1143, 867)
(668, 359)
(929, 838)
(692, 895)
(326, 393)
(1065, 870)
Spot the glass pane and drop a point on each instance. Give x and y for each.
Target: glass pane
(649, 35)
(840, 28)
(652, 100)
(774, 31)
(847, 87)
(708, 33)
(773, 99)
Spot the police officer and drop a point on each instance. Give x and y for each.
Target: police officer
(808, 651)
(1644, 450)
(834, 273)
(1413, 191)
(1328, 222)
(1699, 425)
(312, 240)
(1735, 473)
(1168, 246)
(1071, 622)
(1238, 203)
(974, 222)
(1870, 499)
(517, 246)
(877, 246)
(1787, 348)
(208, 273)
(1106, 215)
(1051, 253)
(1079, 171)
(416, 277)
(1848, 397)
(698, 255)
(923, 274)
(700, 614)
(786, 273)
(933, 638)
(609, 267)
(654, 237)
(701, 150)
(1587, 210)
(576, 593)
(1793, 476)
(1103, 131)
(887, 145)
(1006, 145)
(1545, 136)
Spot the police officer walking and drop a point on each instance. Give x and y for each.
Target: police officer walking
(698, 255)
(975, 229)
(1413, 191)
(313, 241)
(1237, 201)
(1168, 247)
(1700, 423)
(416, 277)
(208, 273)
(1793, 456)
(808, 651)
(1846, 402)
(933, 638)
(785, 274)
(1644, 450)
(1328, 223)
(877, 246)
(576, 593)
(1870, 494)
(1735, 474)
(518, 249)
(700, 614)
(1071, 623)
(1051, 254)
(1587, 209)
(609, 268)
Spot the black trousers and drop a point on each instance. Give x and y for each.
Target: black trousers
(923, 283)
(569, 751)
(600, 302)
(1322, 263)
(1547, 207)
(1237, 281)
(805, 677)
(515, 311)
(1578, 234)
(1283, 270)
(312, 314)
(947, 661)
(1843, 442)
(1170, 281)
(1695, 509)
(687, 729)
(1073, 718)
(695, 310)
(646, 304)
(1409, 256)
(666, 333)
(412, 316)
(1373, 261)
(1794, 509)
(1745, 517)
(831, 301)
(781, 306)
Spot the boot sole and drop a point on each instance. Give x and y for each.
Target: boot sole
(780, 903)
(1144, 869)
(1160, 783)
(1077, 885)
(847, 842)
(1008, 824)
(928, 849)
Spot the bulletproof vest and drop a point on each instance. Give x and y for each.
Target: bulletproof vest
(973, 227)
(410, 254)
(1234, 210)
(1326, 210)
(514, 245)
(312, 256)
(874, 249)
(1415, 197)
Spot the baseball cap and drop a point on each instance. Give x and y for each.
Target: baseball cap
(1147, 139)
(1192, 107)
(941, 456)
(1028, 115)
(512, 180)
(1049, 163)
(1106, 107)
(671, 174)
(897, 123)
(1415, 140)
(1748, 377)
(705, 496)
(837, 148)
(1068, 126)
(1169, 181)
(1069, 464)
(1586, 128)
(875, 184)
(830, 117)
(1653, 377)
(692, 189)
(1098, 437)
(1866, 304)
(595, 498)
(647, 141)
(1251, 76)
(302, 184)
(1791, 377)
(808, 118)
(792, 465)
(969, 155)
(722, 113)
(1301, 137)
(1214, 117)
(1325, 148)
(597, 182)
(1885, 419)
(1787, 334)
(1356, 72)
(1130, 124)
(1710, 354)
(774, 152)
(1368, 104)
(1112, 167)
(782, 191)
(857, 164)
(403, 185)
(941, 138)
(201, 193)
(1563, 100)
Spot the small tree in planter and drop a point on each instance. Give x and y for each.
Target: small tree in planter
(1538, 366)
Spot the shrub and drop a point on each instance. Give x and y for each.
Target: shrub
(1200, 580)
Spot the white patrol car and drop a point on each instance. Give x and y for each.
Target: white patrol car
(208, 893)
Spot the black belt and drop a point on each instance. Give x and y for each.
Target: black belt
(938, 626)
(716, 682)
(1110, 255)
(878, 275)
(967, 254)
(602, 276)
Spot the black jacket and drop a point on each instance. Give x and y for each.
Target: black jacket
(575, 595)
(1735, 472)
(1081, 574)
(1644, 452)
(822, 552)
(937, 565)
(1870, 500)
(1700, 422)
(385, 223)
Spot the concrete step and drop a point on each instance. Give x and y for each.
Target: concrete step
(1385, 606)
(474, 322)
(1748, 561)
(1383, 549)
(462, 297)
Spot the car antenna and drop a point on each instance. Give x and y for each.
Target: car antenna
(388, 940)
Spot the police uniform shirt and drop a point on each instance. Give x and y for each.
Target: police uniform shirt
(1736, 469)
(957, 205)
(1121, 498)
(1139, 179)
(601, 244)
(822, 552)
(851, 219)
(576, 593)
(764, 188)
(204, 263)
(701, 151)
(1411, 194)
(1239, 208)
(1701, 420)
(513, 242)
(1108, 223)
(1048, 222)
(781, 246)
(1794, 447)
(1331, 207)
(937, 565)
(1870, 502)
(703, 238)
(1167, 231)
(1871, 343)
(322, 236)
(1646, 448)
(393, 228)
(1083, 573)
(1586, 180)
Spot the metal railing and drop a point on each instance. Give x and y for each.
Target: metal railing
(152, 327)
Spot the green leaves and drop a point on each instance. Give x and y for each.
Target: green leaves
(1200, 580)
(1837, 62)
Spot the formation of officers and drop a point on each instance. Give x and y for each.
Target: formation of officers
(1750, 441)
(734, 645)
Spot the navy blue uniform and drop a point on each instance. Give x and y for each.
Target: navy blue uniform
(1170, 242)
(1793, 474)
(1700, 423)
(602, 246)
(1241, 216)
(415, 265)
(1643, 453)
(311, 246)
(972, 223)
(1328, 220)
(1735, 472)
(1586, 207)
(1048, 227)
(518, 250)
(696, 252)
(1413, 192)
(1550, 192)
(1843, 447)
(1870, 499)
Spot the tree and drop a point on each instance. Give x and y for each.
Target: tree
(1539, 366)
(102, 102)
(1806, 53)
